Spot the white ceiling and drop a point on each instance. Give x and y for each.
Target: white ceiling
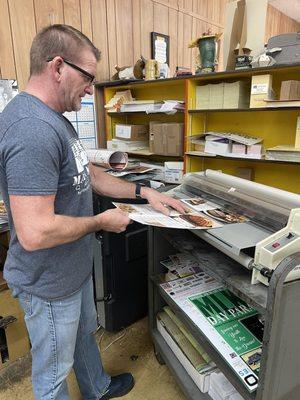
(291, 8)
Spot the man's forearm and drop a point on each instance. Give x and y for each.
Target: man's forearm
(110, 186)
(60, 229)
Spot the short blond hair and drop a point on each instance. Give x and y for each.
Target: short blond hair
(58, 40)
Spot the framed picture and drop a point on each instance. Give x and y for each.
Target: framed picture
(160, 47)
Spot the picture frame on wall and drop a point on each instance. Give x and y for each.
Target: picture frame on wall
(160, 45)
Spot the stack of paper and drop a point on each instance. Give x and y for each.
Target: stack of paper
(180, 265)
(230, 144)
(169, 107)
(202, 97)
(232, 326)
(221, 388)
(125, 145)
(216, 94)
(283, 153)
(117, 100)
(141, 105)
(190, 357)
(236, 94)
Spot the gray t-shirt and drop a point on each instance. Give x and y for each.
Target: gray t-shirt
(40, 154)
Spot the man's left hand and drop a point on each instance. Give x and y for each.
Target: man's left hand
(161, 202)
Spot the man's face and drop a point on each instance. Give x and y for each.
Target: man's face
(76, 83)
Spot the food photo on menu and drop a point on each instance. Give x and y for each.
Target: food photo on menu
(145, 214)
(227, 217)
(199, 204)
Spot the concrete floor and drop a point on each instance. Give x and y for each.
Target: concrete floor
(132, 353)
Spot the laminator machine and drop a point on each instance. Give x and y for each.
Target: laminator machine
(271, 233)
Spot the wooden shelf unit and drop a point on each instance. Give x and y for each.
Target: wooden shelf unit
(277, 126)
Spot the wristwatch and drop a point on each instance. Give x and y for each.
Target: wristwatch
(138, 188)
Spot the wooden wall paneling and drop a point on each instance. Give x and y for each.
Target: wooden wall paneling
(188, 6)
(194, 50)
(203, 8)
(180, 59)
(124, 32)
(86, 18)
(136, 29)
(209, 12)
(23, 31)
(195, 6)
(200, 28)
(164, 2)
(173, 4)
(222, 5)
(180, 4)
(7, 62)
(99, 25)
(216, 10)
(173, 33)
(48, 13)
(161, 19)
(111, 36)
(187, 38)
(147, 26)
(72, 13)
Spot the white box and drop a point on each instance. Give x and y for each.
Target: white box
(216, 147)
(238, 148)
(201, 380)
(254, 150)
(173, 171)
(132, 132)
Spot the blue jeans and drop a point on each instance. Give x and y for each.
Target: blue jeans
(62, 337)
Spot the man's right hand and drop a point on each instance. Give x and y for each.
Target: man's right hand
(113, 220)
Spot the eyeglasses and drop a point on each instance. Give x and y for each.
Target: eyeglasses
(91, 78)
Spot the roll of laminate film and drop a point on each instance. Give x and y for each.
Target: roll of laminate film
(263, 192)
(116, 160)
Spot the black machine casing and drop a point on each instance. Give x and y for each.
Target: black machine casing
(120, 272)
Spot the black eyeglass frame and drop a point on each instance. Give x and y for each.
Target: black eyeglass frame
(84, 72)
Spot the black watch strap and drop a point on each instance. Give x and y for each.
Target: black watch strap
(138, 188)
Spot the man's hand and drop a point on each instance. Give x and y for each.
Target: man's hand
(160, 201)
(113, 220)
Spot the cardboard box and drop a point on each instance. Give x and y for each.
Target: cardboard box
(151, 135)
(290, 90)
(14, 338)
(173, 171)
(167, 139)
(132, 132)
(261, 89)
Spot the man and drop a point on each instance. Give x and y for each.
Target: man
(46, 183)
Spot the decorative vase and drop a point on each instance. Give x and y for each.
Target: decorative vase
(207, 46)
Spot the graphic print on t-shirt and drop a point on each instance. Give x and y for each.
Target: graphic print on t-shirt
(81, 181)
